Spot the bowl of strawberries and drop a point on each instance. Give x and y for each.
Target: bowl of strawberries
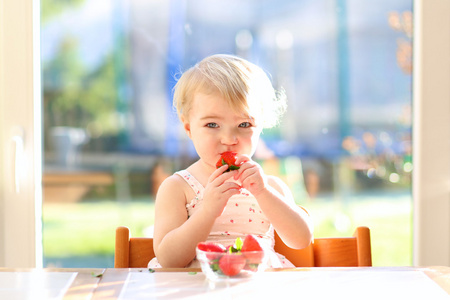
(241, 260)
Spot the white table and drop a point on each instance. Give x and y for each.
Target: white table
(307, 283)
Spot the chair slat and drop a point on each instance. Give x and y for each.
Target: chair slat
(122, 249)
(335, 252)
(141, 252)
(364, 247)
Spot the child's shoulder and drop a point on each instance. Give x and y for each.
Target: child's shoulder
(172, 181)
(173, 190)
(173, 184)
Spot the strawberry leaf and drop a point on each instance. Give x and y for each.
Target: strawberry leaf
(232, 249)
(238, 243)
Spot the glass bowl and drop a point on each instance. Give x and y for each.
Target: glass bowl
(224, 265)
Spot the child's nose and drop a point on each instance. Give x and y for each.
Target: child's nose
(229, 138)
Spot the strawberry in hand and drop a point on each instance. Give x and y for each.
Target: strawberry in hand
(228, 158)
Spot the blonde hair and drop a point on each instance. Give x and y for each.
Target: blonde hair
(244, 85)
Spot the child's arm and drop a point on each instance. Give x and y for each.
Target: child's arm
(291, 222)
(176, 235)
(295, 227)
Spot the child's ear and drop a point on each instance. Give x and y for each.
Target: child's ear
(186, 126)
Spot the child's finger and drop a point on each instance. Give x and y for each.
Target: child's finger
(243, 167)
(219, 172)
(242, 159)
(231, 186)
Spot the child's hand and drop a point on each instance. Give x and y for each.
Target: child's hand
(251, 175)
(218, 190)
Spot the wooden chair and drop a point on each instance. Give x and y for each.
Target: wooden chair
(352, 251)
(135, 252)
(132, 252)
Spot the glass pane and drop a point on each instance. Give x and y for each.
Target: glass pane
(111, 134)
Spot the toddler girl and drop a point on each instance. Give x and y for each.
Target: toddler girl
(224, 102)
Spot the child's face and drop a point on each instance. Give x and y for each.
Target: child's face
(214, 128)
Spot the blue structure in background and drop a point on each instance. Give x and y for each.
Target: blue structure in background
(343, 69)
(175, 57)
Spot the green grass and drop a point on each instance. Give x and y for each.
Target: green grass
(87, 228)
(389, 220)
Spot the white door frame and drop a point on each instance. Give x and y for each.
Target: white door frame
(20, 138)
(431, 133)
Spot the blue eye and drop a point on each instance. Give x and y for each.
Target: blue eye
(212, 125)
(245, 125)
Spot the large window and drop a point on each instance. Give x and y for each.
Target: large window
(111, 135)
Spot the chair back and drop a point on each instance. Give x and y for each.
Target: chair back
(132, 252)
(323, 252)
(352, 251)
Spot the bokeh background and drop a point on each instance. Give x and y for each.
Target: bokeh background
(111, 135)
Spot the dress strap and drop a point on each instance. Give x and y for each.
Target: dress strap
(196, 186)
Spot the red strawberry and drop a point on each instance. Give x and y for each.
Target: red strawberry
(231, 264)
(251, 244)
(255, 251)
(228, 158)
(212, 248)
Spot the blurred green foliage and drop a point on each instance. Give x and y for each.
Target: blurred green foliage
(77, 93)
(51, 8)
(77, 96)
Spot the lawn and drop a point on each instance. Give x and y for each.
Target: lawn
(82, 234)
(73, 233)
(388, 217)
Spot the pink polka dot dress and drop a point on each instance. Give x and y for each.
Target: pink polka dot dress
(241, 216)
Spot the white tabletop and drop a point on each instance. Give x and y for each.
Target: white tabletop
(36, 284)
(296, 283)
(356, 284)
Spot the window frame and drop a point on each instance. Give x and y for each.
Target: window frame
(20, 214)
(20, 138)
